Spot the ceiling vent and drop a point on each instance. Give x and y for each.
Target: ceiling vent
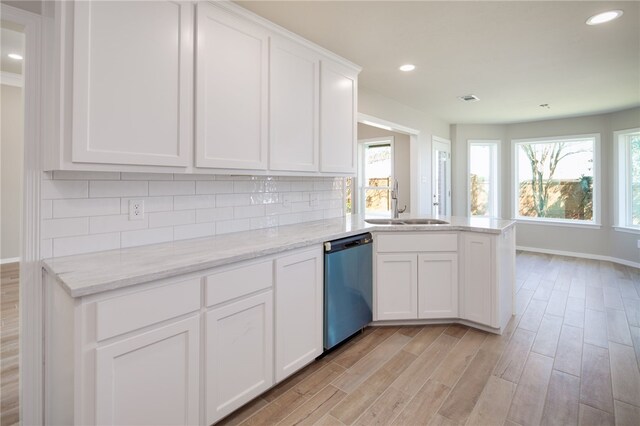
(469, 98)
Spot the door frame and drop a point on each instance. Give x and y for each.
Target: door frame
(435, 142)
(414, 156)
(31, 295)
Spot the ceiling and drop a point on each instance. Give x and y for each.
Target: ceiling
(11, 41)
(513, 55)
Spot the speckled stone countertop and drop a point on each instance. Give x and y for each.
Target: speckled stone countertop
(91, 273)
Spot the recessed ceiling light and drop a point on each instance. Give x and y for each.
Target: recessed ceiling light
(469, 98)
(408, 67)
(603, 17)
(15, 56)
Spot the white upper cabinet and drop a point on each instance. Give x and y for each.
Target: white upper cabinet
(132, 83)
(192, 87)
(231, 91)
(338, 99)
(294, 106)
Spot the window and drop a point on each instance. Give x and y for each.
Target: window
(556, 179)
(483, 178)
(628, 146)
(375, 176)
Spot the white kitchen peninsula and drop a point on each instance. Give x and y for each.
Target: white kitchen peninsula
(200, 327)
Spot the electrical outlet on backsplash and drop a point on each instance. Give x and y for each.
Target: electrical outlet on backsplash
(85, 212)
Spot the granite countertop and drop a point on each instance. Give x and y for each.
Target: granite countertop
(91, 273)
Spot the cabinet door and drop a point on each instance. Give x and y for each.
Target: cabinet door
(477, 288)
(239, 353)
(299, 302)
(396, 286)
(132, 82)
(338, 86)
(293, 112)
(438, 285)
(151, 378)
(231, 91)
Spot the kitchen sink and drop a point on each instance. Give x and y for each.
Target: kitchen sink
(406, 221)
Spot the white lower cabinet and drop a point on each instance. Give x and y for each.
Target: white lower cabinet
(239, 353)
(298, 307)
(437, 285)
(396, 286)
(478, 289)
(150, 378)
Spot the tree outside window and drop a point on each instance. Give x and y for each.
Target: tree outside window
(555, 179)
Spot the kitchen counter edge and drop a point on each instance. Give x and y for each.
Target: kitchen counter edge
(92, 273)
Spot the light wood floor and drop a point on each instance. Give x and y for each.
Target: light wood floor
(570, 356)
(9, 344)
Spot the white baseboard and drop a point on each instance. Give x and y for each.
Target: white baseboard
(9, 260)
(581, 255)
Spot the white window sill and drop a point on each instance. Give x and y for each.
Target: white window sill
(627, 229)
(550, 222)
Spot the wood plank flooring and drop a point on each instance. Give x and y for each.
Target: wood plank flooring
(9, 344)
(570, 356)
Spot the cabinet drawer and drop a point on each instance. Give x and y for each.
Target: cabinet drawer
(244, 279)
(133, 311)
(416, 242)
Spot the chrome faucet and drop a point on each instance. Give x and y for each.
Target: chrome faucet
(394, 201)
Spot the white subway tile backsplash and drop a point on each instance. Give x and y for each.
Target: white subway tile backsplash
(52, 189)
(151, 204)
(145, 176)
(85, 244)
(46, 209)
(215, 214)
(46, 248)
(174, 218)
(190, 202)
(230, 200)
(117, 223)
(85, 207)
(184, 232)
(77, 175)
(172, 188)
(248, 211)
(214, 187)
(263, 222)
(177, 206)
(192, 177)
(146, 236)
(229, 226)
(55, 228)
(118, 188)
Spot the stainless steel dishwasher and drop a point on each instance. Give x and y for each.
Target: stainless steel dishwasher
(347, 287)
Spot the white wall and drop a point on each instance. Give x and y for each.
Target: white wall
(605, 241)
(11, 155)
(376, 105)
(88, 211)
(401, 159)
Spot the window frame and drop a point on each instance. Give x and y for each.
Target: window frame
(360, 188)
(494, 182)
(515, 193)
(623, 194)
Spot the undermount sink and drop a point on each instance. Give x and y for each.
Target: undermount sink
(406, 221)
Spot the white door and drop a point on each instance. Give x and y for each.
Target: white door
(151, 378)
(338, 120)
(437, 285)
(133, 82)
(299, 316)
(477, 289)
(396, 286)
(441, 177)
(231, 91)
(239, 354)
(294, 103)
